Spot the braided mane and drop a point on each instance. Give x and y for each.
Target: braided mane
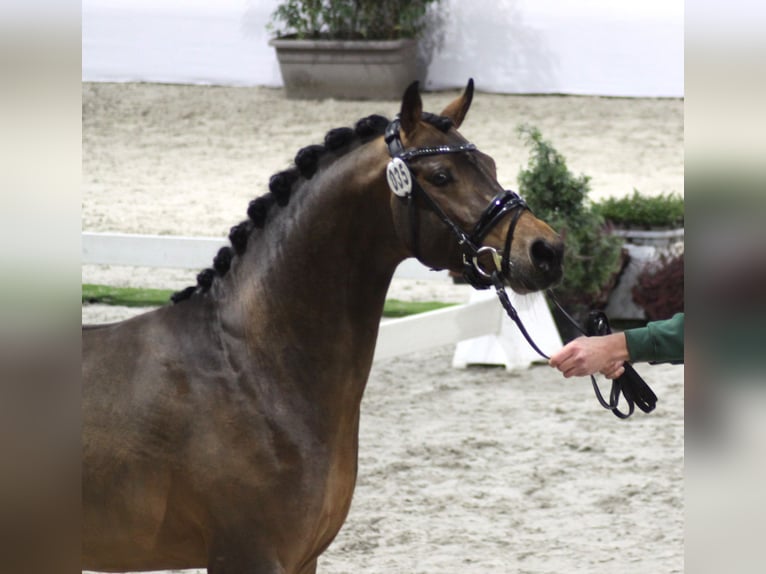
(337, 141)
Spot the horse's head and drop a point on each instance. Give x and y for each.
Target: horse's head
(450, 210)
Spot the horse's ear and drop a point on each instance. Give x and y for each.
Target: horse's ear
(457, 110)
(412, 109)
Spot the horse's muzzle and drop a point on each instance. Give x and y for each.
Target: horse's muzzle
(541, 269)
(546, 259)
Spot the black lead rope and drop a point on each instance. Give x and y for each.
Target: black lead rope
(629, 385)
(510, 310)
(633, 388)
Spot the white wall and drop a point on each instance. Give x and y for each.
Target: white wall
(178, 41)
(604, 47)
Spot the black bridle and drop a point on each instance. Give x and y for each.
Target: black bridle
(405, 186)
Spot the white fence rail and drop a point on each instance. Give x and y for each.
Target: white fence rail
(178, 252)
(479, 329)
(437, 328)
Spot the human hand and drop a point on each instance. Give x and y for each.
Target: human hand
(613, 371)
(588, 355)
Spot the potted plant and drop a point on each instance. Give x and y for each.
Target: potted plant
(348, 49)
(593, 256)
(645, 220)
(652, 229)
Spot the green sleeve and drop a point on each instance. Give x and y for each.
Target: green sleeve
(658, 342)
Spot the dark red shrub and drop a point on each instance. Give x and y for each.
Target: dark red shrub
(660, 288)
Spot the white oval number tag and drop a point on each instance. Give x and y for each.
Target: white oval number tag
(399, 178)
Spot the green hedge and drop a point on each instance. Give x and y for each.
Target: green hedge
(638, 211)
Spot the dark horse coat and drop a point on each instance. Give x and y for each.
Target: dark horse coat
(221, 431)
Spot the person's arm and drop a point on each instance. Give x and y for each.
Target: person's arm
(658, 342)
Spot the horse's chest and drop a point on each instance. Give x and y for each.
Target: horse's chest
(333, 500)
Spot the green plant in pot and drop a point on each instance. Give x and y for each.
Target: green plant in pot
(593, 257)
(348, 49)
(350, 19)
(640, 211)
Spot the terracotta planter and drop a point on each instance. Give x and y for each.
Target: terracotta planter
(346, 70)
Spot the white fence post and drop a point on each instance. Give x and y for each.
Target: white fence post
(507, 347)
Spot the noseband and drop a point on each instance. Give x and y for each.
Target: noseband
(405, 186)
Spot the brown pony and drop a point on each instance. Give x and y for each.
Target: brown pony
(221, 431)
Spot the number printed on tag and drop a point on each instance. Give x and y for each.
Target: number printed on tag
(399, 178)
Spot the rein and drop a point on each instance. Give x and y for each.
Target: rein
(402, 183)
(634, 390)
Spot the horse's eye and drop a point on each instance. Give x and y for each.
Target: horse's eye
(440, 178)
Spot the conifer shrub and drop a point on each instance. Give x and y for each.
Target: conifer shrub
(593, 256)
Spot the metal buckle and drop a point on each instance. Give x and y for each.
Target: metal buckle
(497, 259)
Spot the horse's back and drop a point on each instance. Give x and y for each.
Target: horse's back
(126, 352)
(119, 358)
(136, 382)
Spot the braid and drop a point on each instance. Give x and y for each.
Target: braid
(281, 184)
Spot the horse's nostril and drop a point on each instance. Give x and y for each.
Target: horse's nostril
(545, 256)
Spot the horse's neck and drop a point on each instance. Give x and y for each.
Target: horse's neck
(310, 287)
